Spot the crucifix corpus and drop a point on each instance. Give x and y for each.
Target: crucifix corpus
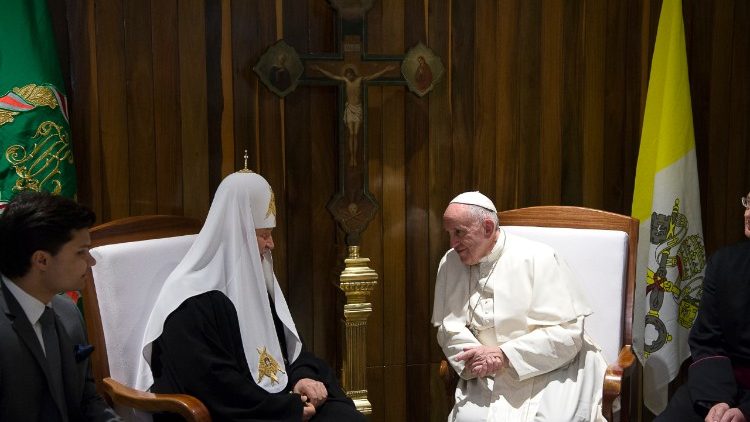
(353, 112)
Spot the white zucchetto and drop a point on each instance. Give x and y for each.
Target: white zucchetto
(475, 198)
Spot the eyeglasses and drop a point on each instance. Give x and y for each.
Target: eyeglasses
(746, 201)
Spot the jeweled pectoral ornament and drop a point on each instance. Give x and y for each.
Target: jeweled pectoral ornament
(267, 366)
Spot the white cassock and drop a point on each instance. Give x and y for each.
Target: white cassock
(523, 298)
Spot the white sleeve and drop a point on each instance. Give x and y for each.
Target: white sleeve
(544, 349)
(453, 339)
(449, 316)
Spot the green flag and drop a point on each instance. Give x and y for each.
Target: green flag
(34, 130)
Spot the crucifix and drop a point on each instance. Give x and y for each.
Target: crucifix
(353, 207)
(352, 69)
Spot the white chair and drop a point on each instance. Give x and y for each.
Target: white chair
(600, 248)
(134, 257)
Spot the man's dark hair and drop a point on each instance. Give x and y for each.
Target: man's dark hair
(35, 221)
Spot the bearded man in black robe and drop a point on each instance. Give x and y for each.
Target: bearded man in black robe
(221, 329)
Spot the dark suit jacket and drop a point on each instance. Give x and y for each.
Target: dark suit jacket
(720, 337)
(23, 374)
(719, 340)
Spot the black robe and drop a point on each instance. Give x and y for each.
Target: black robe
(200, 353)
(719, 340)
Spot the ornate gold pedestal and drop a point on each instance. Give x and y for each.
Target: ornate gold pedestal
(357, 282)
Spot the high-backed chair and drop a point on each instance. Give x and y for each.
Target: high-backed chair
(600, 248)
(134, 257)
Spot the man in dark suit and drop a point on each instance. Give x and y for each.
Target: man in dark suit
(718, 385)
(44, 357)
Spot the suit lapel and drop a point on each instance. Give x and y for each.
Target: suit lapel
(26, 333)
(23, 327)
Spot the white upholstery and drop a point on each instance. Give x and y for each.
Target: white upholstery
(599, 259)
(128, 278)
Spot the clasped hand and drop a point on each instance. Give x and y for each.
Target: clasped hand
(483, 360)
(723, 413)
(313, 393)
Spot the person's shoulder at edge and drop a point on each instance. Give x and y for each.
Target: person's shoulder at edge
(729, 253)
(63, 305)
(70, 316)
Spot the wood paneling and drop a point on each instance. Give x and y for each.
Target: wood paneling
(592, 102)
(462, 93)
(193, 107)
(508, 139)
(541, 103)
(529, 102)
(166, 102)
(139, 105)
(552, 74)
(111, 62)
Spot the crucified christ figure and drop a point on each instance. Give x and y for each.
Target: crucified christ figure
(353, 113)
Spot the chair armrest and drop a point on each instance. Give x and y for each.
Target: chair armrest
(450, 379)
(613, 379)
(189, 407)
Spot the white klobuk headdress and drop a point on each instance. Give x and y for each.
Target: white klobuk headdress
(225, 257)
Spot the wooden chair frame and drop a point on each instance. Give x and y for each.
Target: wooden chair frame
(128, 230)
(584, 218)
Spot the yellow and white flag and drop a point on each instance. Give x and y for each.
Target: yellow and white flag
(666, 200)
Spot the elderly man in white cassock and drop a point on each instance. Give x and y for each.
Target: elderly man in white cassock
(221, 329)
(510, 319)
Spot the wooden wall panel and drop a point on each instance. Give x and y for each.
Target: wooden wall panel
(219, 101)
(113, 118)
(394, 259)
(270, 129)
(382, 331)
(529, 101)
(193, 107)
(439, 177)
(245, 27)
(139, 91)
(485, 99)
(719, 100)
(698, 27)
(84, 102)
(300, 189)
(550, 187)
(166, 101)
(138, 85)
(571, 115)
(320, 129)
(614, 93)
(541, 102)
(592, 98)
(417, 279)
(508, 129)
(462, 92)
(374, 237)
(634, 96)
